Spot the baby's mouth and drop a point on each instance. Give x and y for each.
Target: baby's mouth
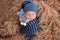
(28, 18)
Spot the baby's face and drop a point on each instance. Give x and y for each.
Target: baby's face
(30, 15)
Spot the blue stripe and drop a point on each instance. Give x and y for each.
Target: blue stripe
(32, 28)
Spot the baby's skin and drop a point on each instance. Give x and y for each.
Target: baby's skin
(30, 15)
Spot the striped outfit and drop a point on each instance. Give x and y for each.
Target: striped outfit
(30, 29)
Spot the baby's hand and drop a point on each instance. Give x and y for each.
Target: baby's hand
(20, 19)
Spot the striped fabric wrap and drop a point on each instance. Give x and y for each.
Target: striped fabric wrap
(31, 28)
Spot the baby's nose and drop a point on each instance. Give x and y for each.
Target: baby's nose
(30, 15)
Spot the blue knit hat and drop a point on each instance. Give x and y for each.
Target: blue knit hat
(30, 7)
(24, 3)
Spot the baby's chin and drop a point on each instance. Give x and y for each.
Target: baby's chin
(29, 19)
(32, 19)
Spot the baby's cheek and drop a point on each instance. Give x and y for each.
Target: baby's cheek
(27, 16)
(33, 16)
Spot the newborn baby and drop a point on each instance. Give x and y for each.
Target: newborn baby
(31, 20)
(28, 16)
